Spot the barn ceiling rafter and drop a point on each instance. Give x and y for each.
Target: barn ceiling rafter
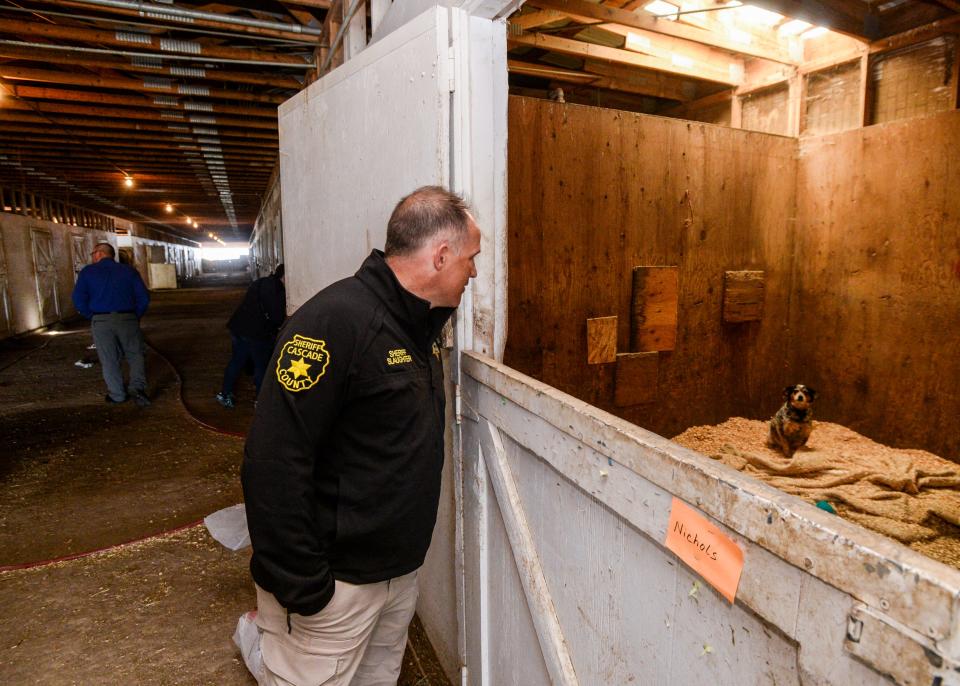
(179, 96)
(674, 55)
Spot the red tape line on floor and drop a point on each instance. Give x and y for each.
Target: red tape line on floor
(160, 534)
(183, 402)
(87, 553)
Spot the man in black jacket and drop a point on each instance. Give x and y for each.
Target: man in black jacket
(253, 332)
(341, 471)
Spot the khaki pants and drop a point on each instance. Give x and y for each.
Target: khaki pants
(358, 639)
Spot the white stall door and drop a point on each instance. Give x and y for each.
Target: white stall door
(354, 143)
(5, 326)
(45, 267)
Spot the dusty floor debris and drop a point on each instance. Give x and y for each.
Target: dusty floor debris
(76, 475)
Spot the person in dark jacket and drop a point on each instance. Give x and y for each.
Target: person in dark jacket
(253, 332)
(341, 469)
(112, 296)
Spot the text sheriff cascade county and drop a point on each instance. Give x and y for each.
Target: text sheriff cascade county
(694, 540)
(302, 374)
(306, 348)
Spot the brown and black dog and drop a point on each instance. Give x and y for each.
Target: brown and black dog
(791, 425)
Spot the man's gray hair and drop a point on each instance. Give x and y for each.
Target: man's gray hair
(423, 214)
(106, 248)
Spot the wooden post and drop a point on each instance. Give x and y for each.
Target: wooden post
(378, 10)
(355, 37)
(796, 90)
(865, 98)
(955, 76)
(736, 112)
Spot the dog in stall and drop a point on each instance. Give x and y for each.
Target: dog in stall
(791, 425)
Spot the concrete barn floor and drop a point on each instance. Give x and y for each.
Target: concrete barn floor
(77, 475)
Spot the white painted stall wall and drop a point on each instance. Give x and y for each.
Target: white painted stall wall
(149, 250)
(355, 142)
(22, 301)
(558, 491)
(266, 241)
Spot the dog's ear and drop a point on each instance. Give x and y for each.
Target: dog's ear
(787, 390)
(812, 393)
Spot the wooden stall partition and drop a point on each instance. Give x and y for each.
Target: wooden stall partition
(877, 319)
(595, 193)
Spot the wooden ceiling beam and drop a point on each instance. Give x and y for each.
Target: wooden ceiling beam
(174, 23)
(916, 35)
(545, 71)
(184, 128)
(642, 81)
(146, 85)
(14, 103)
(190, 151)
(646, 21)
(316, 4)
(950, 4)
(638, 83)
(532, 20)
(159, 101)
(143, 41)
(670, 48)
(72, 57)
(91, 162)
(841, 16)
(600, 52)
(94, 139)
(86, 167)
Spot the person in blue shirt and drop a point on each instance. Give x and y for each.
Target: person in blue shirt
(112, 296)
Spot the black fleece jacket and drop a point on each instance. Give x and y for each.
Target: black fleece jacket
(261, 311)
(341, 469)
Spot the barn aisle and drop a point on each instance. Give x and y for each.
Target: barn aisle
(158, 605)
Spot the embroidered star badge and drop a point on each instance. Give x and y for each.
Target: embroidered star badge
(298, 368)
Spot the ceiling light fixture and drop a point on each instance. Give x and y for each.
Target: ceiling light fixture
(168, 207)
(128, 181)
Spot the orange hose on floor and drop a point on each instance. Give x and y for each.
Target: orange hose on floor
(159, 534)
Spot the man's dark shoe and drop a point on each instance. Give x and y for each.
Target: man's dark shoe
(141, 399)
(111, 401)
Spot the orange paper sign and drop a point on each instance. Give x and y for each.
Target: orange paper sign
(701, 545)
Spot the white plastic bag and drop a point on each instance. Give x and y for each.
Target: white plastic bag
(229, 527)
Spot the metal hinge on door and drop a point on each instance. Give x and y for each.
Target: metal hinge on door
(893, 649)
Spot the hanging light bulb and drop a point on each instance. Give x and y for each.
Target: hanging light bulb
(195, 225)
(128, 181)
(168, 207)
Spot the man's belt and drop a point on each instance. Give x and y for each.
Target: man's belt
(116, 312)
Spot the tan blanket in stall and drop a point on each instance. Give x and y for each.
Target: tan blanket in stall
(910, 495)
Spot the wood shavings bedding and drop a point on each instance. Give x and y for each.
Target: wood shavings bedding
(910, 495)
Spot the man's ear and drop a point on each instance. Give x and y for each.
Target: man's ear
(441, 254)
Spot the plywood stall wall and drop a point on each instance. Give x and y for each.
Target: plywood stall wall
(595, 193)
(877, 316)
